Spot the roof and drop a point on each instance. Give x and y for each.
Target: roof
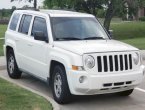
(57, 13)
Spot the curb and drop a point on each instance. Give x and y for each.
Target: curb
(3, 67)
(54, 104)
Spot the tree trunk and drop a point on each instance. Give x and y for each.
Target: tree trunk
(35, 4)
(109, 14)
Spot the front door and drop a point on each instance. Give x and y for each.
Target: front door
(38, 49)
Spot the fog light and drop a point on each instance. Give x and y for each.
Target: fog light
(82, 79)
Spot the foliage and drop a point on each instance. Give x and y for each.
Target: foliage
(100, 13)
(13, 97)
(142, 18)
(35, 2)
(112, 7)
(6, 13)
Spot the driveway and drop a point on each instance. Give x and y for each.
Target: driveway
(99, 102)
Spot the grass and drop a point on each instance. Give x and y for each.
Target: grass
(132, 33)
(13, 97)
(2, 30)
(128, 30)
(1, 47)
(137, 42)
(114, 20)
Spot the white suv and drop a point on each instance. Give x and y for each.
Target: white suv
(72, 52)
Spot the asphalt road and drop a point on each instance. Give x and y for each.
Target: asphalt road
(98, 102)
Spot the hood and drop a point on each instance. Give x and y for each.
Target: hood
(93, 46)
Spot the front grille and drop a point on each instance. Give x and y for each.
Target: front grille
(111, 63)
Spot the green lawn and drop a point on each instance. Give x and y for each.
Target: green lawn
(137, 42)
(132, 33)
(128, 30)
(2, 30)
(13, 97)
(1, 47)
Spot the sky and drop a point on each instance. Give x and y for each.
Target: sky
(8, 5)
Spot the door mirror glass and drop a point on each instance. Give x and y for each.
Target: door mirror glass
(39, 35)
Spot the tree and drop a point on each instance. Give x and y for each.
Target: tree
(13, 9)
(3, 11)
(35, 2)
(111, 7)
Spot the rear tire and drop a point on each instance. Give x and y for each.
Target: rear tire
(125, 93)
(12, 67)
(60, 89)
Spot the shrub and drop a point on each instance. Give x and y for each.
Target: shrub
(142, 18)
(100, 13)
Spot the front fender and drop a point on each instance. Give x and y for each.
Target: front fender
(64, 57)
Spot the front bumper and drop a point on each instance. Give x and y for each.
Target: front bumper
(105, 83)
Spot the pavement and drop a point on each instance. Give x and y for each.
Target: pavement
(2, 63)
(98, 102)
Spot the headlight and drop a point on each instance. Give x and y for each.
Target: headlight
(90, 62)
(136, 58)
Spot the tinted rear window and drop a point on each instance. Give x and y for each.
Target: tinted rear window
(25, 24)
(14, 21)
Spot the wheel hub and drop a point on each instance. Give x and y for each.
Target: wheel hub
(11, 64)
(57, 85)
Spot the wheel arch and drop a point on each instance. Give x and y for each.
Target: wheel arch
(8, 48)
(53, 63)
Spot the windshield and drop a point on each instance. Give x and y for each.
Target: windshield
(77, 28)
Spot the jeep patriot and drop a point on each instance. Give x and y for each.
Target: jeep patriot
(72, 52)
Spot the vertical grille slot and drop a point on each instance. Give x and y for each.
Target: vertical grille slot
(99, 64)
(130, 61)
(121, 62)
(111, 63)
(105, 63)
(126, 62)
(116, 62)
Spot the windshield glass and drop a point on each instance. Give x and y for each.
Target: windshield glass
(77, 28)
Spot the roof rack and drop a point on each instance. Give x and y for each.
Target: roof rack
(28, 8)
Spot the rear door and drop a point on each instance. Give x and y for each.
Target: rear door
(21, 41)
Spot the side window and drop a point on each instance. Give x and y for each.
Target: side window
(39, 25)
(14, 21)
(25, 24)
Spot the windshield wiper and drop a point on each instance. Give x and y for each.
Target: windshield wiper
(68, 38)
(92, 38)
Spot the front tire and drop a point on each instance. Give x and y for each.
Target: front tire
(125, 93)
(12, 67)
(60, 89)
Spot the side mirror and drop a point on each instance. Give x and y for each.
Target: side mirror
(39, 35)
(111, 33)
